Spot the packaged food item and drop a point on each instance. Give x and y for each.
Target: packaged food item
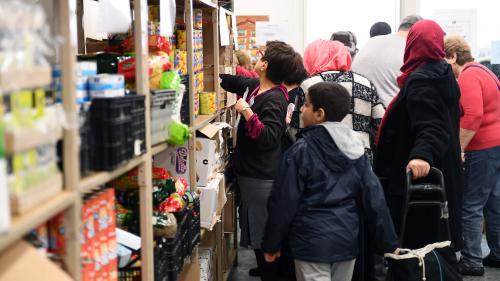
(155, 43)
(181, 40)
(107, 85)
(82, 89)
(198, 19)
(180, 62)
(170, 80)
(207, 103)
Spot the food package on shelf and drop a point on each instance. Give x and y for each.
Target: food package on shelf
(156, 43)
(181, 40)
(175, 160)
(159, 62)
(164, 225)
(199, 83)
(170, 80)
(154, 12)
(99, 238)
(198, 61)
(180, 61)
(207, 103)
(107, 86)
(198, 19)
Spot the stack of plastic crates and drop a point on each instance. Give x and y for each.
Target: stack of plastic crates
(170, 253)
(161, 111)
(85, 139)
(117, 127)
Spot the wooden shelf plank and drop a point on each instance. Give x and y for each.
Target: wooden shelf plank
(203, 120)
(19, 79)
(17, 141)
(159, 148)
(87, 184)
(21, 224)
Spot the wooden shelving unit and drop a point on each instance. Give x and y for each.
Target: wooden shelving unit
(70, 199)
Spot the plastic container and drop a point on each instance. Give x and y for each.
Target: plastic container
(107, 86)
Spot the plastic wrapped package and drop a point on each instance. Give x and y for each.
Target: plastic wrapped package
(106, 86)
(24, 41)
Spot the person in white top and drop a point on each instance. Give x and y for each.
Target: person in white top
(381, 58)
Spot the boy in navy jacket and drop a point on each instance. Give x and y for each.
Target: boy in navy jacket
(323, 185)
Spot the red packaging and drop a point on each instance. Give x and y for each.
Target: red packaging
(57, 239)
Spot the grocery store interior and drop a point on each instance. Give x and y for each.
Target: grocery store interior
(124, 129)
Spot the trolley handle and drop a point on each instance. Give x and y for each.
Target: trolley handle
(434, 173)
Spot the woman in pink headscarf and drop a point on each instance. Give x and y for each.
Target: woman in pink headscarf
(330, 61)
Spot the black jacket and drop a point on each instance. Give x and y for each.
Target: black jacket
(424, 123)
(259, 158)
(324, 183)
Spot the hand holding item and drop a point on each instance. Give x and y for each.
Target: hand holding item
(419, 168)
(241, 105)
(271, 257)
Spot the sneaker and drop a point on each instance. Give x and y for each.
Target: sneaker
(490, 261)
(254, 272)
(470, 270)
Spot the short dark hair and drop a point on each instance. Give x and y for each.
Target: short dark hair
(299, 74)
(408, 22)
(280, 59)
(332, 97)
(380, 28)
(348, 38)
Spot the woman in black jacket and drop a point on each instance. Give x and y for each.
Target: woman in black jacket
(258, 146)
(421, 126)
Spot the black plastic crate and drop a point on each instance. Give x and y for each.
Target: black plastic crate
(111, 109)
(109, 157)
(111, 132)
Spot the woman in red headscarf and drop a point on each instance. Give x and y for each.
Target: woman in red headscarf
(420, 128)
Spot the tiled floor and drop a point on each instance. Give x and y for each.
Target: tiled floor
(246, 260)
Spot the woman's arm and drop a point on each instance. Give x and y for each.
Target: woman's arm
(429, 123)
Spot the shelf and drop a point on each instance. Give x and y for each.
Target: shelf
(19, 79)
(203, 120)
(159, 148)
(87, 184)
(21, 140)
(20, 225)
(204, 4)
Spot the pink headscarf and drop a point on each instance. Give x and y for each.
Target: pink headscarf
(326, 55)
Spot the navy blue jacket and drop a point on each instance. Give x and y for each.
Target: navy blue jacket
(324, 183)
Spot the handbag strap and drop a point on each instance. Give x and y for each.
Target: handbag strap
(485, 70)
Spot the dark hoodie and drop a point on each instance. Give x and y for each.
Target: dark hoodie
(324, 183)
(423, 123)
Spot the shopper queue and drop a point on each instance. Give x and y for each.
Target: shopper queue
(312, 207)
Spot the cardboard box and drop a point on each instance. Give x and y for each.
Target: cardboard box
(207, 145)
(21, 202)
(229, 214)
(212, 201)
(22, 262)
(175, 160)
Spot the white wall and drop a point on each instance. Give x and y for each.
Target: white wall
(282, 11)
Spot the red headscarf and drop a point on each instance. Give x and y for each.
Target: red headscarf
(326, 55)
(425, 43)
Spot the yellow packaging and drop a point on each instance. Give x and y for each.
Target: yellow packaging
(21, 104)
(154, 12)
(207, 103)
(181, 40)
